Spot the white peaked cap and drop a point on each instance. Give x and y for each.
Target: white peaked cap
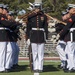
(71, 5)
(64, 12)
(37, 4)
(38, 1)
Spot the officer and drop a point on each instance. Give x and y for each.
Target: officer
(37, 33)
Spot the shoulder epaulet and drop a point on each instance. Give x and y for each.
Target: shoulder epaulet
(70, 20)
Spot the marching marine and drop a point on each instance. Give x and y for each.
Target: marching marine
(61, 43)
(70, 47)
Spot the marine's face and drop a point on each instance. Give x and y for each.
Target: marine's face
(9, 17)
(72, 11)
(4, 11)
(36, 10)
(66, 16)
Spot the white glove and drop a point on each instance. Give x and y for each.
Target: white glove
(17, 19)
(21, 21)
(53, 36)
(30, 8)
(24, 24)
(28, 42)
(54, 41)
(51, 30)
(57, 37)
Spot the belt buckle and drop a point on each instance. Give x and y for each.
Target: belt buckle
(38, 28)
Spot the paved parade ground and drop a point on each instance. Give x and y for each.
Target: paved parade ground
(50, 68)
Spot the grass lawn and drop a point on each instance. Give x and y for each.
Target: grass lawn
(50, 68)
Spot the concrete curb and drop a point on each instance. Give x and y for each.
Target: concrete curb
(45, 58)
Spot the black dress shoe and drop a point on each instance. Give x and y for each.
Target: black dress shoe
(7, 70)
(16, 65)
(66, 70)
(60, 67)
(1, 71)
(36, 71)
(40, 71)
(72, 70)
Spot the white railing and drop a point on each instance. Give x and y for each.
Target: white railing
(50, 48)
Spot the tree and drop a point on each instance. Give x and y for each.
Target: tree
(52, 7)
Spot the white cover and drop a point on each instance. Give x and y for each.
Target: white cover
(38, 1)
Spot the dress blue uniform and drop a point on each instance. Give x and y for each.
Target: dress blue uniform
(5, 45)
(70, 48)
(61, 46)
(37, 32)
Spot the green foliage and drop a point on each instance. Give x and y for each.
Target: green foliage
(53, 7)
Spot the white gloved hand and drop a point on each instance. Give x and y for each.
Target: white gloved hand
(21, 21)
(54, 41)
(51, 30)
(53, 36)
(28, 42)
(57, 37)
(24, 24)
(17, 19)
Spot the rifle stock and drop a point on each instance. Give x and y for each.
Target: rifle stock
(30, 58)
(58, 21)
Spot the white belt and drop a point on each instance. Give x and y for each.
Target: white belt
(38, 29)
(60, 41)
(5, 29)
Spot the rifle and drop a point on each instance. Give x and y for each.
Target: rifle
(30, 58)
(58, 21)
